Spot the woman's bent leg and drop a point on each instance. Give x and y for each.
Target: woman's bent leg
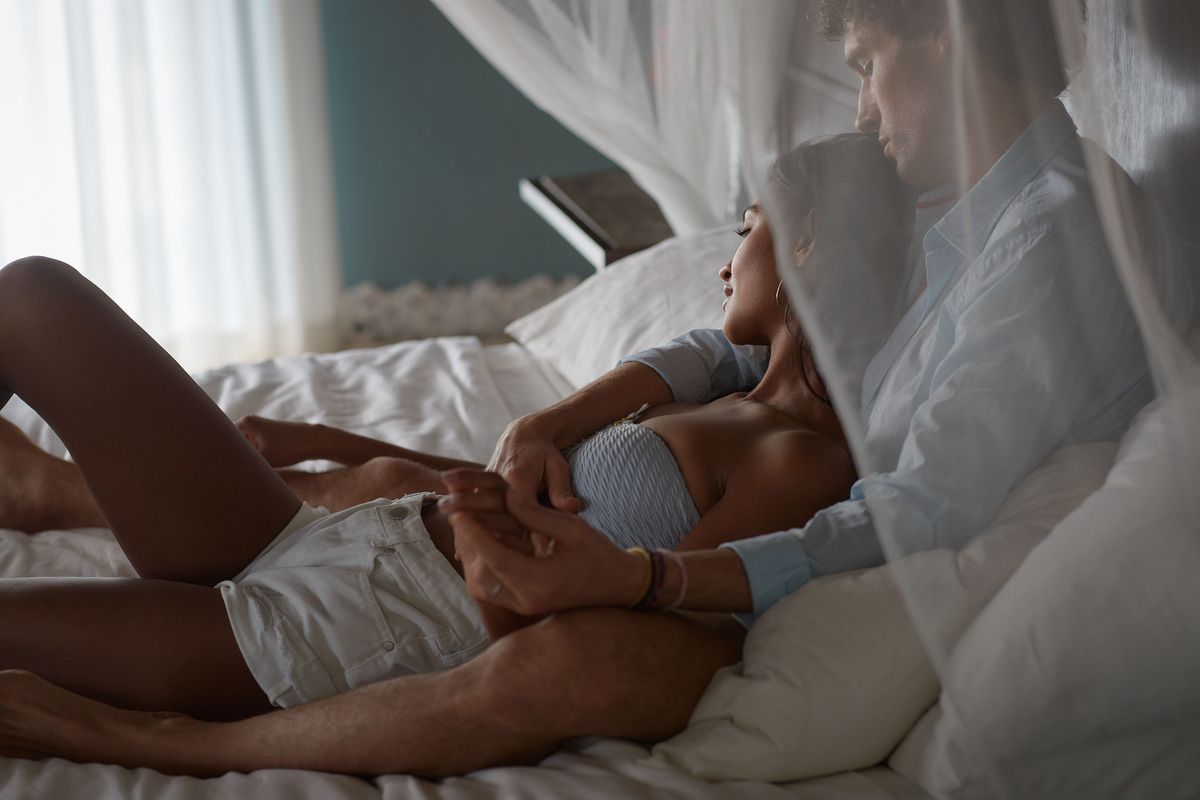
(139, 644)
(186, 495)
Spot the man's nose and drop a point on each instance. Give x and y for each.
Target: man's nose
(867, 120)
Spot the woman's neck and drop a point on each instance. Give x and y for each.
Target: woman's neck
(784, 388)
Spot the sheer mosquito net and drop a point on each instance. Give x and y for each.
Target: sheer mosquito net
(998, 288)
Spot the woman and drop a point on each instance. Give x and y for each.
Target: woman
(289, 578)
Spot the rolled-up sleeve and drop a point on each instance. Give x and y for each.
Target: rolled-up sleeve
(702, 365)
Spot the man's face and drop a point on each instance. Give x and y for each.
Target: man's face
(906, 98)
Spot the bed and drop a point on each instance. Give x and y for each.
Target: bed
(836, 697)
(454, 396)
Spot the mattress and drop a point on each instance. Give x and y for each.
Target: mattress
(451, 396)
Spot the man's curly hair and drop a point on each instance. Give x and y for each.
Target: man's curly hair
(1017, 37)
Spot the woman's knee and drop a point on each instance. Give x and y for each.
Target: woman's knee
(32, 278)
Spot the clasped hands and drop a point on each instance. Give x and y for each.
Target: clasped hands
(522, 561)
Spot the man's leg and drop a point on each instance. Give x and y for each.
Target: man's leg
(41, 492)
(599, 671)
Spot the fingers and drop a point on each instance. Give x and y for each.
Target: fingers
(491, 568)
(558, 486)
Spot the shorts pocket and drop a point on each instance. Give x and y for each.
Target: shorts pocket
(422, 608)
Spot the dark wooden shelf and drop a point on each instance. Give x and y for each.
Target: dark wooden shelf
(604, 215)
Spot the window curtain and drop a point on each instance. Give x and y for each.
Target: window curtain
(177, 153)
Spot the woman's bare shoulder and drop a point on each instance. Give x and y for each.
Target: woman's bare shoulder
(782, 456)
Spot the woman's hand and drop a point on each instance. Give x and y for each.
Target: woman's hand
(530, 461)
(574, 565)
(281, 443)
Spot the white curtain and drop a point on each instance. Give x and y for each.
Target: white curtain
(984, 372)
(177, 153)
(654, 85)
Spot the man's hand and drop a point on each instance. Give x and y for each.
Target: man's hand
(574, 565)
(530, 461)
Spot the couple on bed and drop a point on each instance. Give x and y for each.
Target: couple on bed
(734, 502)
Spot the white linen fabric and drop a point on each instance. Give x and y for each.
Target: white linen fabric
(835, 675)
(176, 153)
(649, 85)
(1128, 556)
(645, 299)
(1047, 314)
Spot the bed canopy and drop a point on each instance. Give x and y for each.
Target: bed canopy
(1068, 659)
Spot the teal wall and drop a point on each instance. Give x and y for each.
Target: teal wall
(428, 143)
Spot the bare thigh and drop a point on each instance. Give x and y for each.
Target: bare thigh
(147, 645)
(185, 494)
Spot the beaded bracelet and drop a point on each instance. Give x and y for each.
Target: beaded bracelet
(683, 577)
(648, 584)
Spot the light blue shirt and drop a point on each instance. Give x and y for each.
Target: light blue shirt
(1021, 342)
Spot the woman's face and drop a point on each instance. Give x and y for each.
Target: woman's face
(754, 303)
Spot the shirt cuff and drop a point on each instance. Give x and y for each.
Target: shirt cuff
(776, 565)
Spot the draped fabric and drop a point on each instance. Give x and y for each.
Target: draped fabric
(1044, 301)
(177, 154)
(653, 85)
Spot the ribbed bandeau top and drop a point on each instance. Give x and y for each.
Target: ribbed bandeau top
(631, 487)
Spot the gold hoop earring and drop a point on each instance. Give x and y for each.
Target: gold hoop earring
(785, 307)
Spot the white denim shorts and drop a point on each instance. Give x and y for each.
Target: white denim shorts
(341, 600)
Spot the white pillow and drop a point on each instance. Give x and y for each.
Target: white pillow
(641, 301)
(1082, 676)
(835, 674)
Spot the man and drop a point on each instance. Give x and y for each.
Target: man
(1041, 351)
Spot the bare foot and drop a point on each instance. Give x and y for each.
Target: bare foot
(280, 442)
(38, 491)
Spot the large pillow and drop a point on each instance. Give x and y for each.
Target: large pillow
(644, 300)
(835, 674)
(1082, 676)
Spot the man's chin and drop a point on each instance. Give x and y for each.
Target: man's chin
(913, 175)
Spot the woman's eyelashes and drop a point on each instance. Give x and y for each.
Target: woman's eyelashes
(742, 230)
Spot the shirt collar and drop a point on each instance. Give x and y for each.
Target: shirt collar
(968, 225)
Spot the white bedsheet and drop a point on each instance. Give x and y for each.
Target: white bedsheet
(450, 396)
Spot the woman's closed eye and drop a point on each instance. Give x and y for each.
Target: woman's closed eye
(742, 230)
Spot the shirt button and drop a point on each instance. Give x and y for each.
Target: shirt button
(389, 646)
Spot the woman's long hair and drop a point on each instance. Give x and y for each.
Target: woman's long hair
(863, 211)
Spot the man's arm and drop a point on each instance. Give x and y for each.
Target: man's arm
(693, 368)
(284, 443)
(703, 365)
(1051, 355)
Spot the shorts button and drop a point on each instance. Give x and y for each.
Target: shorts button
(389, 646)
(398, 513)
